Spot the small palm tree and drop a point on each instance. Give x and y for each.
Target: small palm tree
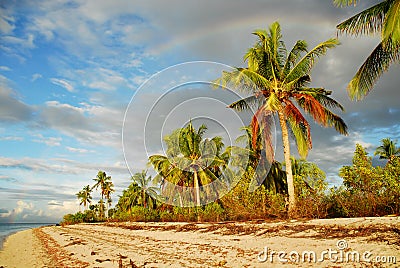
(385, 18)
(388, 149)
(148, 193)
(130, 197)
(84, 196)
(277, 82)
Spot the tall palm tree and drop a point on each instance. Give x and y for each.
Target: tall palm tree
(384, 18)
(148, 193)
(276, 80)
(108, 190)
(84, 196)
(106, 186)
(191, 161)
(388, 149)
(101, 181)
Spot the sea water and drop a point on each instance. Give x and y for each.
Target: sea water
(7, 229)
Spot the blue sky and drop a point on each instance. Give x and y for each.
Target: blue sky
(68, 70)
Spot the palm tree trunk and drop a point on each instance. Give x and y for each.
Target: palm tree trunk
(197, 188)
(144, 198)
(286, 152)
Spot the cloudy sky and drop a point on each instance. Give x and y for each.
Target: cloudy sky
(69, 69)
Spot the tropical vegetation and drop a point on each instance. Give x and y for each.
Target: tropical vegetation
(199, 179)
(278, 83)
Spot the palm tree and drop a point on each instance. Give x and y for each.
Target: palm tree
(101, 181)
(108, 190)
(276, 81)
(106, 186)
(130, 197)
(388, 149)
(84, 196)
(191, 161)
(385, 18)
(148, 193)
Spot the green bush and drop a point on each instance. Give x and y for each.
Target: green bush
(212, 212)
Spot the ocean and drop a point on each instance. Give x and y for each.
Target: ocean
(7, 229)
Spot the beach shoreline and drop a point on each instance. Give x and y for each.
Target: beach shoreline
(228, 244)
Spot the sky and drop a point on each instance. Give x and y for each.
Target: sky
(94, 85)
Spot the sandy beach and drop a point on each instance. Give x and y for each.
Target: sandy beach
(355, 242)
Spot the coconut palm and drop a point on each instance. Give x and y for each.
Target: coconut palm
(277, 82)
(388, 149)
(130, 197)
(384, 18)
(106, 186)
(108, 190)
(84, 196)
(191, 161)
(101, 181)
(148, 193)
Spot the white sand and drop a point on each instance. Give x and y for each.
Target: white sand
(220, 244)
(21, 250)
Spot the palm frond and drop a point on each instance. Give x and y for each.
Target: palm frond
(304, 65)
(335, 121)
(321, 95)
(341, 3)
(320, 114)
(391, 26)
(246, 103)
(367, 22)
(370, 71)
(294, 55)
(244, 80)
(299, 127)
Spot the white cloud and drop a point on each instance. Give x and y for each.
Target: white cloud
(36, 77)
(63, 83)
(23, 42)
(5, 68)
(11, 138)
(49, 141)
(54, 203)
(77, 150)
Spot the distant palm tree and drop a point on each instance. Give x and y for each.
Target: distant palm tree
(191, 161)
(101, 181)
(84, 196)
(148, 193)
(108, 190)
(388, 149)
(385, 18)
(277, 82)
(106, 186)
